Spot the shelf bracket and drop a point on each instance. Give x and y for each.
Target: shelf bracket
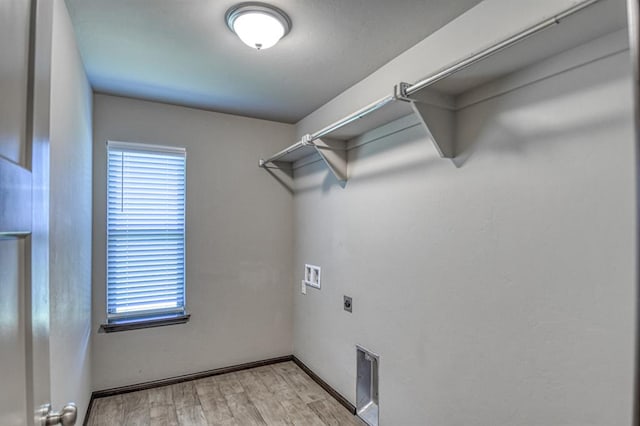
(439, 122)
(334, 153)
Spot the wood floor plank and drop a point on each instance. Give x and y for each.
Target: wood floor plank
(208, 388)
(217, 411)
(285, 367)
(191, 416)
(263, 398)
(162, 411)
(160, 396)
(228, 383)
(307, 389)
(300, 414)
(136, 408)
(273, 395)
(185, 395)
(229, 422)
(276, 383)
(271, 411)
(333, 414)
(108, 411)
(270, 378)
(163, 415)
(243, 410)
(213, 403)
(252, 384)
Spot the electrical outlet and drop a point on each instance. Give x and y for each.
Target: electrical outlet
(347, 303)
(303, 289)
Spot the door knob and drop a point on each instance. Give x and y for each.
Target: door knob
(66, 417)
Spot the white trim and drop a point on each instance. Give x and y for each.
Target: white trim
(133, 146)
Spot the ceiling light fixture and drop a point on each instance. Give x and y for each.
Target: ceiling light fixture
(258, 25)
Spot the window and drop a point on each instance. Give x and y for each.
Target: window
(145, 231)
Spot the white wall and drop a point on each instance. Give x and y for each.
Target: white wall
(239, 244)
(499, 291)
(70, 218)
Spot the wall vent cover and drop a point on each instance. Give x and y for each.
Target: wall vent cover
(367, 386)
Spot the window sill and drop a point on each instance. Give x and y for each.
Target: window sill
(139, 323)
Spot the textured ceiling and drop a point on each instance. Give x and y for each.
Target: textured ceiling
(180, 51)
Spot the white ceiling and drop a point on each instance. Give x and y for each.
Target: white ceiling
(181, 51)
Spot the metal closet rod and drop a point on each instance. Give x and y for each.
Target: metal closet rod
(430, 80)
(308, 139)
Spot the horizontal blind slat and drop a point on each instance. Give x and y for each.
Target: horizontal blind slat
(147, 298)
(142, 296)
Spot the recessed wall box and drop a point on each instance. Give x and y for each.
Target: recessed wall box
(367, 385)
(312, 275)
(347, 303)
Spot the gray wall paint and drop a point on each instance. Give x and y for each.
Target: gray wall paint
(239, 244)
(499, 291)
(70, 218)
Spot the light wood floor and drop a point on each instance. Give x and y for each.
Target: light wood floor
(278, 394)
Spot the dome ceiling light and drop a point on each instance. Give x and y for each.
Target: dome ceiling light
(258, 25)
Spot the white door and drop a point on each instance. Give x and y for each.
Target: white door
(14, 167)
(25, 50)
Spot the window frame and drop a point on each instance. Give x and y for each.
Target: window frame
(149, 318)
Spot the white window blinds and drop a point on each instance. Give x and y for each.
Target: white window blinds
(145, 230)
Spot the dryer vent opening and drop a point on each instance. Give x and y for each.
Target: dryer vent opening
(367, 386)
